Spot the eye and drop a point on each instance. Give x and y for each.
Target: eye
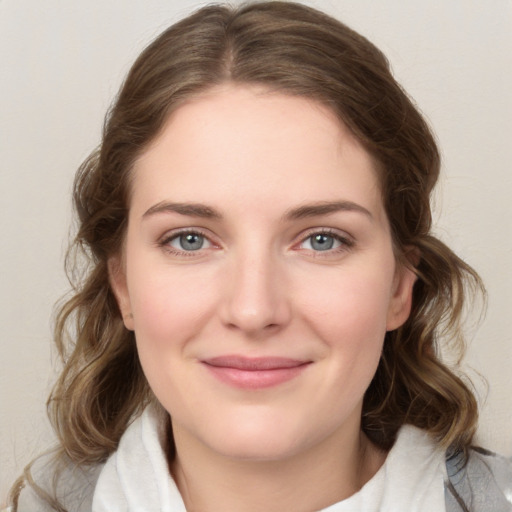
(321, 242)
(188, 242)
(324, 241)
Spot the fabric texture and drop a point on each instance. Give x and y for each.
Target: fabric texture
(136, 477)
(483, 484)
(74, 489)
(416, 477)
(411, 479)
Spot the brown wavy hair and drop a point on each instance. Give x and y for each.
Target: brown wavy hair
(292, 49)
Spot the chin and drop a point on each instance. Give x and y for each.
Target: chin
(264, 448)
(258, 438)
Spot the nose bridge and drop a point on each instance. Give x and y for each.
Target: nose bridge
(257, 298)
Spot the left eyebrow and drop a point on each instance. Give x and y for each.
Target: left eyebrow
(325, 208)
(190, 209)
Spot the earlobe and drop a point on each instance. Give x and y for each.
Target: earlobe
(117, 279)
(401, 302)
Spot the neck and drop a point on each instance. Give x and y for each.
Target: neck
(325, 474)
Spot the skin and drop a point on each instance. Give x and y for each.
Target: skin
(260, 286)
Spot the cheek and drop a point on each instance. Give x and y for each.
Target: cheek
(166, 308)
(349, 315)
(166, 318)
(350, 301)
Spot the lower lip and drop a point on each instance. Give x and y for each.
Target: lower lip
(255, 379)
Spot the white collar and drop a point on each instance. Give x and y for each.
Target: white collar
(411, 479)
(136, 477)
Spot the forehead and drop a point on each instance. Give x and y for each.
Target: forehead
(249, 143)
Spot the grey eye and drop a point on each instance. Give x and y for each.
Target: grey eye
(321, 242)
(190, 242)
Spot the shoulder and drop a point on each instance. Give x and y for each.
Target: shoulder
(481, 481)
(49, 478)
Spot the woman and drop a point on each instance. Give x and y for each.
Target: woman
(263, 296)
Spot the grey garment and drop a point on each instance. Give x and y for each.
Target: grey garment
(74, 489)
(483, 483)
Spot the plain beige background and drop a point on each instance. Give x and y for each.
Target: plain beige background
(61, 64)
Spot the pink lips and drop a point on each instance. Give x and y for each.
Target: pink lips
(254, 373)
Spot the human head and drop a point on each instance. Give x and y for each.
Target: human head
(295, 50)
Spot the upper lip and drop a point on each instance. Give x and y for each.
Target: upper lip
(254, 363)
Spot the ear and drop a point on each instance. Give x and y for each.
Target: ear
(117, 279)
(401, 301)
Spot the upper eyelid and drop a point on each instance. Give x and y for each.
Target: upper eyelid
(347, 242)
(174, 233)
(336, 233)
(301, 237)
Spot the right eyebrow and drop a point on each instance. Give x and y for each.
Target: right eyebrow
(191, 209)
(326, 208)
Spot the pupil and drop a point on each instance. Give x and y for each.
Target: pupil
(191, 242)
(322, 242)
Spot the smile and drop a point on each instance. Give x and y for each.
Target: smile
(254, 373)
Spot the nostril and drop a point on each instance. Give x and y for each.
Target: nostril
(268, 327)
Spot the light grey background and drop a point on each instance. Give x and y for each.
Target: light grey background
(62, 62)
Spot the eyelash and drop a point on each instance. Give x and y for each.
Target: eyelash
(164, 243)
(346, 243)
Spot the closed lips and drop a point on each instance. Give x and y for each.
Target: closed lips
(249, 373)
(254, 364)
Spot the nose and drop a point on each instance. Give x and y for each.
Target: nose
(256, 300)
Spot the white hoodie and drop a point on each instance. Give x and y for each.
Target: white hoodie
(136, 477)
(413, 479)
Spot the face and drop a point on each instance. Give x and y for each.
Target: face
(258, 273)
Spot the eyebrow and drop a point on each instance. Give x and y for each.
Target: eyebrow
(301, 212)
(190, 209)
(325, 208)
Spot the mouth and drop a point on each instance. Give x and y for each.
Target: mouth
(254, 373)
